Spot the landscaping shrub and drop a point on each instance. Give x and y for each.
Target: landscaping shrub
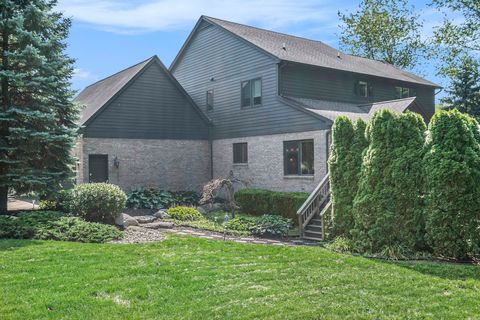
(259, 202)
(59, 202)
(348, 144)
(97, 202)
(340, 244)
(153, 198)
(184, 213)
(76, 229)
(240, 224)
(53, 225)
(452, 165)
(388, 205)
(271, 225)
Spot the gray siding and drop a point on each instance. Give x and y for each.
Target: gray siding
(319, 83)
(151, 107)
(215, 53)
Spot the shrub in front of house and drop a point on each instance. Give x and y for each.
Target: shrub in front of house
(97, 202)
(184, 213)
(388, 206)
(452, 168)
(54, 225)
(273, 225)
(240, 224)
(260, 202)
(345, 161)
(153, 198)
(59, 202)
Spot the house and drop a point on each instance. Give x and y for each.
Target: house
(140, 128)
(235, 99)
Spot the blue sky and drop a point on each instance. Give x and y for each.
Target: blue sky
(109, 35)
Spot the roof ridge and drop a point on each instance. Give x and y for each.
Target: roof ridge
(118, 72)
(302, 38)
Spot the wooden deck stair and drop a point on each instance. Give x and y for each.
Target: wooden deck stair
(311, 215)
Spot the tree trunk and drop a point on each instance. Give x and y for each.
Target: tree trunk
(3, 200)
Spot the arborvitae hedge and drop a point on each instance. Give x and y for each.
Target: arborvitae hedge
(348, 143)
(387, 207)
(452, 166)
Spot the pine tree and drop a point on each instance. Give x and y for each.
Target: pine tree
(452, 166)
(37, 117)
(387, 208)
(344, 167)
(464, 89)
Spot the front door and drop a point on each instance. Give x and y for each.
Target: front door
(98, 167)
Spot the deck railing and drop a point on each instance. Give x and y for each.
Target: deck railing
(314, 203)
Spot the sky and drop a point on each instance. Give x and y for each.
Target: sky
(110, 35)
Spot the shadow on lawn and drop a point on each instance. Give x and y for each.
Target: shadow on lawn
(444, 270)
(10, 244)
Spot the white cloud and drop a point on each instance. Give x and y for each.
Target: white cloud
(158, 15)
(80, 74)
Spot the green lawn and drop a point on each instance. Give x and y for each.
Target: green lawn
(191, 278)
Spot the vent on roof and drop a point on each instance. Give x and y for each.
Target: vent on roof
(338, 55)
(284, 46)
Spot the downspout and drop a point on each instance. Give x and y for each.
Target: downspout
(210, 143)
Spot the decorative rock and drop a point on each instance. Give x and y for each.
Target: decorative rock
(159, 225)
(145, 219)
(161, 214)
(126, 221)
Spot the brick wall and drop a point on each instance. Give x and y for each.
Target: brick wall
(265, 161)
(167, 164)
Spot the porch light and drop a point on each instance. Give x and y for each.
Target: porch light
(116, 162)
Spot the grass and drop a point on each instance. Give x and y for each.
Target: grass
(192, 278)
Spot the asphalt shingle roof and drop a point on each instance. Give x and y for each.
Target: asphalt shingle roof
(331, 109)
(315, 53)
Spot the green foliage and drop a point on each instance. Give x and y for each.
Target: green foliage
(97, 202)
(78, 230)
(452, 165)
(59, 201)
(460, 32)
(388, 207)
(208, 225)
(240, 224)
(463, 92)
(348, 144)
(38, 120)
(153, 198)
(184, 213)
(340, 244)
(52, 225)
(259, 202)
(384, 30)
(269, 224)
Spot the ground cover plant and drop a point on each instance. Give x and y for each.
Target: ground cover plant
(193, 278)
(54, 225)
(154, 198)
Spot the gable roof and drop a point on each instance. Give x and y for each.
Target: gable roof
(97, 95)
(310, 52)
(331, 109)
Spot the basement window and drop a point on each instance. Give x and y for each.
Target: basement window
(298, 157)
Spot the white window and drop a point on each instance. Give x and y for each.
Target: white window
(251, 93)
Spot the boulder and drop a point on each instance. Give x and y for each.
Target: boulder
(145, 219)
(126, 221)
(159, 225)
(161, 214)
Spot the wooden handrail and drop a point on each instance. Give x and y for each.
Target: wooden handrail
(316, 202)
